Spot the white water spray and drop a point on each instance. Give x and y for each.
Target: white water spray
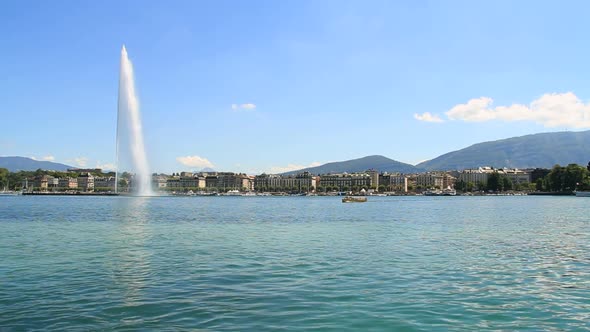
(129, 130)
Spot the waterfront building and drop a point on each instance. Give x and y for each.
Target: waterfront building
(41, 182)
(85, 182)
(477, 176)
(268, 182)
(52, 182)
(480, 175)
(233, 181)
(68, 183)
(448, 181)
(374, 178)
(159, 181)
(345, 181)
(104, 183)
(192, 181)
(394, 182)
(517, 176)
(222, 181)
(271, 182)
(173, 183)
(430, 180)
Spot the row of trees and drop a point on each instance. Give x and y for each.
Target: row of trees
(565, 178)
(560, 179)
(14, 180)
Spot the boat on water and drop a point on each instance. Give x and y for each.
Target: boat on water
(354, 199)
(233, 193)
(9, 193)
(582, 193)
(448, 191)
(432, 192)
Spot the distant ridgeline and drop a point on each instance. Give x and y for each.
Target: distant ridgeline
(530, 151)
(15, 164)
(376, 162)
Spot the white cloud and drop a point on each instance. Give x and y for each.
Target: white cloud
(81, 161)
(45, 158)
(243, 107)
(550, 110)
(291, 167)
(427, 117)
(195, 162)
(106, 166)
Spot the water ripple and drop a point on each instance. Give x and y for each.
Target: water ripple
(408, 264)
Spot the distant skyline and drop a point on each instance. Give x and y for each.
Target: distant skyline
(272, 86)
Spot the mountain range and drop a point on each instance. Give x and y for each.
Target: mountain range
(379, 163)
(538, 150)
(15, 164)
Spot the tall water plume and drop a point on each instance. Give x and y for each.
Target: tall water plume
(131, 155)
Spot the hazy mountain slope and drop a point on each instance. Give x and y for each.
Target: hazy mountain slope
(538, 150)
(14, 164)
(379, 163)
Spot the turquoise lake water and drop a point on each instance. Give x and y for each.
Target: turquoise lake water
(295, 263)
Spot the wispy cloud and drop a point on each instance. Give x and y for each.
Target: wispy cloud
(195, 162)
(243, 107)
(550, 110)
(44, 158)
(79, 161)
(106, 166)
(427, 117)
(291, 167)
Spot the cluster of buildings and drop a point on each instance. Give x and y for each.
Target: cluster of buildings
(302, 182)
(83, 181)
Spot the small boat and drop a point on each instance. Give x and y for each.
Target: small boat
(354, 199)
(432, 192)
(582, 193)
(448, 191)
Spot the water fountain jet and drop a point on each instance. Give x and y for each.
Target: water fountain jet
(130, 143)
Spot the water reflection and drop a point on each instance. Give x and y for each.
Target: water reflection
(130, 257)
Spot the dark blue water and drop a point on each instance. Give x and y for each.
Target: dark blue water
(295, 263)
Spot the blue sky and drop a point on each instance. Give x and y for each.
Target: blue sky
(258, 86)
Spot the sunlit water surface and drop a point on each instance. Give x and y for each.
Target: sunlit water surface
(295, 263)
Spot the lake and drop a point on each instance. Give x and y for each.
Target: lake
(295, 263)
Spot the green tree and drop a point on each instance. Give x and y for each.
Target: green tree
(569, 178)
(3, 178)
(540, 185)
(494, 182)
(506, 183)
(461, 185)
